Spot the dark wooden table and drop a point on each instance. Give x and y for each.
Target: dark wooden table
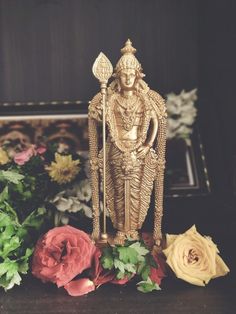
(175, 297)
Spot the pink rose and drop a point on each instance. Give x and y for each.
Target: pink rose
(41, 150)
(23, 157)
(61, 254)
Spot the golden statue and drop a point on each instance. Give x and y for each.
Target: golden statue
(132, 160)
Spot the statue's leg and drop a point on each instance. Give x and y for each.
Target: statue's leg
(119, 238)
(134, 235)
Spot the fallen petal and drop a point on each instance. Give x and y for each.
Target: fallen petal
(79, 287)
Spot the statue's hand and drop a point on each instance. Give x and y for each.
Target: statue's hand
(142, 151)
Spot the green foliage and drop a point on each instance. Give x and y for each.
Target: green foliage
(128, 254)
(24, 188)
(16, 243)
(128, 260)
(147, 286)
(107, 259)
(10, 270)
(10, 176)
(24, 191)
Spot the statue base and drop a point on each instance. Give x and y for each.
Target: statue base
(111, 240)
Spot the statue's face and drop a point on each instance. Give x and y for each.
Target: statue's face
(127, 79)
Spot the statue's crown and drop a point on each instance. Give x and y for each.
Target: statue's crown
(128, 60)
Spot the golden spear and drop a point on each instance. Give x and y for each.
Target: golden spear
(102, 70)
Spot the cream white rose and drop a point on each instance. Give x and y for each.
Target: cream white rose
(194, 258)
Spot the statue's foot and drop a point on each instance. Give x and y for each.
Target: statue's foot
(134, 235)
(157, 247)
(95, 235)
(119, 238)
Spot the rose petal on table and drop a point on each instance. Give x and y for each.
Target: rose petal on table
(79, 287)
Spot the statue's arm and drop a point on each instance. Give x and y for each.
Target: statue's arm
(143, 150)
(153, 132)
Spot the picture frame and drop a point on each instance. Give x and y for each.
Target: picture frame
(65, 122)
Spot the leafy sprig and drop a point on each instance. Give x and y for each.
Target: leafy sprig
(16, 238)
(16, 244)
(131, 259)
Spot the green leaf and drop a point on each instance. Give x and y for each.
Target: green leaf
(119, 265)
(145, 272)
(139, 248)
(140, 267)
(10, 176)
(10, 211)
(10, 271)
(24, 267)
(15, 280)
(4, 195)
(10, 246)
(130, 268)
(151, 261)
(5, 220)
(128, 255)
(3, 268)
(147, 286)
(107, 259)
(7, 233)
(19, 188)
(120, 275)
(35, 219)
(28, 253)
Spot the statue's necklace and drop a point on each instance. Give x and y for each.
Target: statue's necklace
(127, 109)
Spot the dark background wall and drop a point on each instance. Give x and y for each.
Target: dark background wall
(47, 48)
(217, 110)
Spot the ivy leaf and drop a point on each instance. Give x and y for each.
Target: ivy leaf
(10, 176)
(147, 286)
(128, 255)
